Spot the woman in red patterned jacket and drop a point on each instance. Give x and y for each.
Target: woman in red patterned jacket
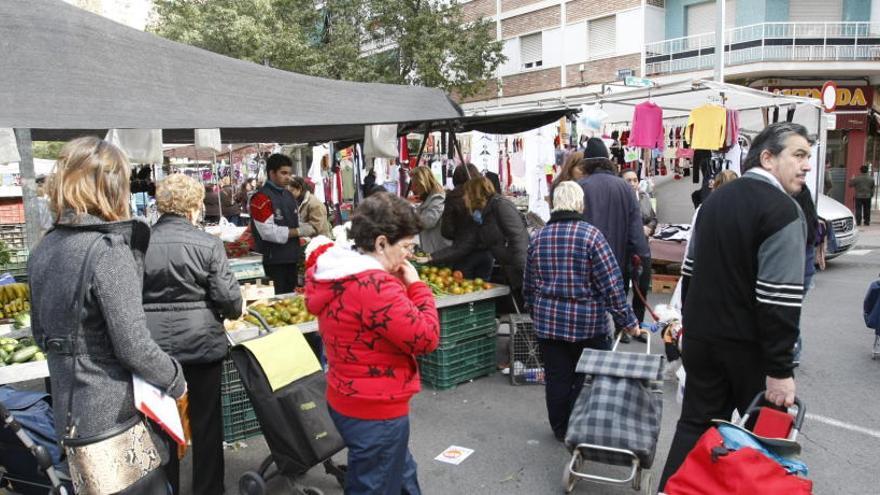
(374, 316)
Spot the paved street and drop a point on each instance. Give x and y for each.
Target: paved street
(516, 454)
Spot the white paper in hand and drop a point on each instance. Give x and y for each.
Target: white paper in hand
(158, 407)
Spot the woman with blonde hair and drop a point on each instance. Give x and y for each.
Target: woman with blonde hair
(425, 187)
(188, 290)
(85, 279)
(502, 229)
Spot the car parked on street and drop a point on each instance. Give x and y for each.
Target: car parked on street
(841, 219)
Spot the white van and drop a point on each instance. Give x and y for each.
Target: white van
(841, 220)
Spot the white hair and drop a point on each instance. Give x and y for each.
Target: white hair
(568, 196)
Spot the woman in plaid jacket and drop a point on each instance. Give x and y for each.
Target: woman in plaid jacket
(571, 281)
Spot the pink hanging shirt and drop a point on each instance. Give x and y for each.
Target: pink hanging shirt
(647, 127)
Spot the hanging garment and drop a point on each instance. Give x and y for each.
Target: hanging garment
(734, 158)
(732, 128)
(591, 118)
(706, 127)
(485, 153)
(647, 127)
(380, 141)
(346, 170)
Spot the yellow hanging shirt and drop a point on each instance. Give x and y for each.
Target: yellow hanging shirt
(705, 128)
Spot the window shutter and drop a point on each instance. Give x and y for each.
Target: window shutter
(531, 50)
(603, 36)
(815, 11)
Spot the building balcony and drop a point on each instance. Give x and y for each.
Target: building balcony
(768, 42)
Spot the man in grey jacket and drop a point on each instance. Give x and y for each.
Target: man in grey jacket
(742, 287)
(864, 186)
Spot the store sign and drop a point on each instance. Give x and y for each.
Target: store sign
(848, 97)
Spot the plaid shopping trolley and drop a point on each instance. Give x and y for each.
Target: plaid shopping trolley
(616, 418)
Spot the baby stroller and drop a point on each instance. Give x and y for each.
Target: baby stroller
(757, 454)
(616, 418)
(286, 387)
(29, 452)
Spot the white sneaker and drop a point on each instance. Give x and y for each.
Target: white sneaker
(876, 352)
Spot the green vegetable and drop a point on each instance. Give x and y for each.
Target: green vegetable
(3, 356)
(23, 320)
(25, 354)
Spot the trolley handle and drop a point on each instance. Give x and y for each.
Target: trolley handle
(755, 406)
(263, 328)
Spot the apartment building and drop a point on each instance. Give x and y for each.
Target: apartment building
(559, 50)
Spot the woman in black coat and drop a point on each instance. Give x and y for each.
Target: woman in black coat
(466, 253)
(502, 229)
(188, 290)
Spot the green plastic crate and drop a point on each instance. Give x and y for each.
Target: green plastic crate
(466, 321)
(239, 419)
(445, 368)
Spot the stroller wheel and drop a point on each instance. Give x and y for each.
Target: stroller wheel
(569, 479)
(251, 483)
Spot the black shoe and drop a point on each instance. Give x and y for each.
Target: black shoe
(560, 437)
(624, 338)
(642, 337)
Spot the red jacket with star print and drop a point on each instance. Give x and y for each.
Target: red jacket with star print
(372, 327)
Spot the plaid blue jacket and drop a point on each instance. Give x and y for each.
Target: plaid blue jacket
(572, 280)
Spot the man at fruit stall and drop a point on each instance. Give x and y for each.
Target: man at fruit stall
(572, 279)
(275, 225)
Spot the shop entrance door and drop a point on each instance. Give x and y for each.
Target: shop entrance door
(835, 165)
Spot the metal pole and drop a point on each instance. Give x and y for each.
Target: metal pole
(720, 11)
(28, 186)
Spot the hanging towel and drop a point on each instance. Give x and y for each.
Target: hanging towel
(208, 139)
(140, 145)
(8, 146)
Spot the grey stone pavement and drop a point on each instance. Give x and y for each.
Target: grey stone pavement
(515, 452)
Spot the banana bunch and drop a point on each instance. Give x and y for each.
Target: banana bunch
(14, 300)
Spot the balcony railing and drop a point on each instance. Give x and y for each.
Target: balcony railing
(768, 42)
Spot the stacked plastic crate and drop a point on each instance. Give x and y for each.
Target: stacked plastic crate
(467, 346)
(239, 419)
(12, 234)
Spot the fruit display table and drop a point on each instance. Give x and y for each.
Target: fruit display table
(22, 372)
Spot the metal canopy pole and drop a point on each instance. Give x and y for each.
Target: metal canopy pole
(720, 10)
(28, 186)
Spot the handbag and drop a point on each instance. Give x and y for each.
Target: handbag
(117, 460)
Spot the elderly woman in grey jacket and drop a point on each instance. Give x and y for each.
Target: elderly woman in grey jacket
(430, 210)
(90, 196)
(188, 290)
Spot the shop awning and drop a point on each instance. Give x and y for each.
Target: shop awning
(507, 123)
(65, 72)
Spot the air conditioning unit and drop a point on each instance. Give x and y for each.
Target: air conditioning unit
(624, 73)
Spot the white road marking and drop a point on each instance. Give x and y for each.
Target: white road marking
(844, 425)
(858, 252)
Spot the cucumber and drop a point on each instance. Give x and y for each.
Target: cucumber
(25, 355)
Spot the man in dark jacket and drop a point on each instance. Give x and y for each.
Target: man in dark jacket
(742, 287)
(275, 225)
(188, 290)
(611, 207)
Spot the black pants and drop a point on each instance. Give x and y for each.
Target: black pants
(206, 422)
(561, 383)
(283, 276)
(644, 281)
(721, 376)
(863, 211)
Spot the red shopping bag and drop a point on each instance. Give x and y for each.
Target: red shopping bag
(711, 468)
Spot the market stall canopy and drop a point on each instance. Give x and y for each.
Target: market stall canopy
(506, 123)
(65, 72)
(678, 99)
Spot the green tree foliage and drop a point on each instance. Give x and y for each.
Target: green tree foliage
(47, 149)
(421, 42)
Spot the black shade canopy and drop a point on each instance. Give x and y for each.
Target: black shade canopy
(65, 72)
(508, 123)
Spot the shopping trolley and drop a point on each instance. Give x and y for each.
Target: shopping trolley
(616, 418)
(292, 413)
